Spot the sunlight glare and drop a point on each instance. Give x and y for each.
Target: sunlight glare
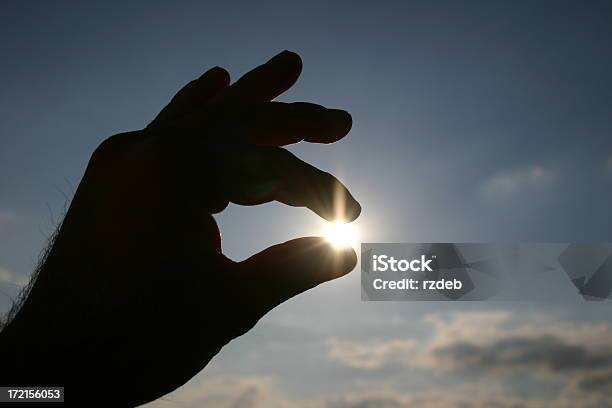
(340, 234)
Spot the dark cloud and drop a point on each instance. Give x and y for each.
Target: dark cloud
(544, 352)
(439, 400)
(595, 383)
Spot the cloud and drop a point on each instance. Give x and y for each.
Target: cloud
(542, 353)
(468, 326)
(373, 356)
(227, 391)
(577, 356)
(11, 278)
(532, 178)
(496, 349)
(597, 382)
(259, 392)
(443, 399)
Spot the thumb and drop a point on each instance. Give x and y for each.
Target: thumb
(285, 270)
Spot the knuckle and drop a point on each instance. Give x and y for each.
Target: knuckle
(105, 149)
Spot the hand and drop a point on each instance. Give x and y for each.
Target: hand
(135, 296)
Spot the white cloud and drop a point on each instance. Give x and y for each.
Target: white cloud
(11, 278)
(528, 179)
(371, 356)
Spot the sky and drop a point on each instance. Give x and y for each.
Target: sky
(475, 121)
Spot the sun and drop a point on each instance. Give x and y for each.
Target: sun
(340, 234)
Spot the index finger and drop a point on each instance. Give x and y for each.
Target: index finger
(264, 174)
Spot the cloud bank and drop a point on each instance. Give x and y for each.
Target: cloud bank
(482, 353)
(577, 356)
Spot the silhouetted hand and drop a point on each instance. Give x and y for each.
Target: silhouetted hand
(135, 296)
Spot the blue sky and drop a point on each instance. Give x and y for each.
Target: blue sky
(473, 121)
